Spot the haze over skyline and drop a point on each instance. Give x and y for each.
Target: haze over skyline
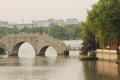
(16, 10)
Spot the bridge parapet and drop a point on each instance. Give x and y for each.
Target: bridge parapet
(54, 40)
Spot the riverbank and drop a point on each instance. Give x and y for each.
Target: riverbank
(84, 57)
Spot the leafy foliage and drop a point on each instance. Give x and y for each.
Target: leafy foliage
(60, 32)
(102, 25)
(104, 21)
(57, 32)
(89, 43)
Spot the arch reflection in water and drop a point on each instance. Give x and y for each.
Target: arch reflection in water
(50, 52)
(27, 61)
(26, 50)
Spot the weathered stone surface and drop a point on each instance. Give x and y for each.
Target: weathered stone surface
(40, 43)
(106, 54)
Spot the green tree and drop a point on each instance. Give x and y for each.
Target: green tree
(58, 32)
(104, 21)
(15, 30)
(1, 36)
(89, 43)
(73, 31)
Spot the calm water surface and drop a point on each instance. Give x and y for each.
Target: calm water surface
(56, 68)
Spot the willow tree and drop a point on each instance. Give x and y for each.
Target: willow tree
(104, 21)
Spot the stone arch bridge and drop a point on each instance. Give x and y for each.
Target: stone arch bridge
(40, 42)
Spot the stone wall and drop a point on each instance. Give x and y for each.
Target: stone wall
(40, 42)
(106, 54)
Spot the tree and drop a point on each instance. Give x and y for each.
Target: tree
(104, 21)
(58, 32)
(88, 37)
(73, 31)
(1, 36)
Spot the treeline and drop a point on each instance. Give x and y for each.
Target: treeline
(69, 32)
(102, 26)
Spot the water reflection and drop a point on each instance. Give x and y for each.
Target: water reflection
(57, 68)
(40, 68)
(52, 67)
(107, 70)
(27, 61)
(51, 52)
(90, 70)
(26, 51)
(101, 70)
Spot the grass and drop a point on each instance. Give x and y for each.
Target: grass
(118, 56)
(85, 57)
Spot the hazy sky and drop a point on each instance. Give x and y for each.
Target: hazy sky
(15, 10)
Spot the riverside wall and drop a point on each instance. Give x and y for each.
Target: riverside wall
(106, 54)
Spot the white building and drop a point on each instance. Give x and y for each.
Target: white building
(71, 21)
(41, 23)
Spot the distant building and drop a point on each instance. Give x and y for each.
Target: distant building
(46, 23)
(4, 23)
(71, 21)
(61, 22)
(57, 22)
(41, 23)
(52, 21)
(20, 26)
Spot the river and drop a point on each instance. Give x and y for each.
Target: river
(53, 67)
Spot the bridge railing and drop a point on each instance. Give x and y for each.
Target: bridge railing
(19, 35)
(55, 41)
(52, 38)
(32, 34)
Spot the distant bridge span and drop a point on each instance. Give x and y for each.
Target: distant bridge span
(40, 42)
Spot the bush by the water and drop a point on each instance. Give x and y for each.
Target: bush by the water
(2, 51)
(83, 57)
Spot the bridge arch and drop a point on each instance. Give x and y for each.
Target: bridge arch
(43, 50)
(17, 46)
(12, 43)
